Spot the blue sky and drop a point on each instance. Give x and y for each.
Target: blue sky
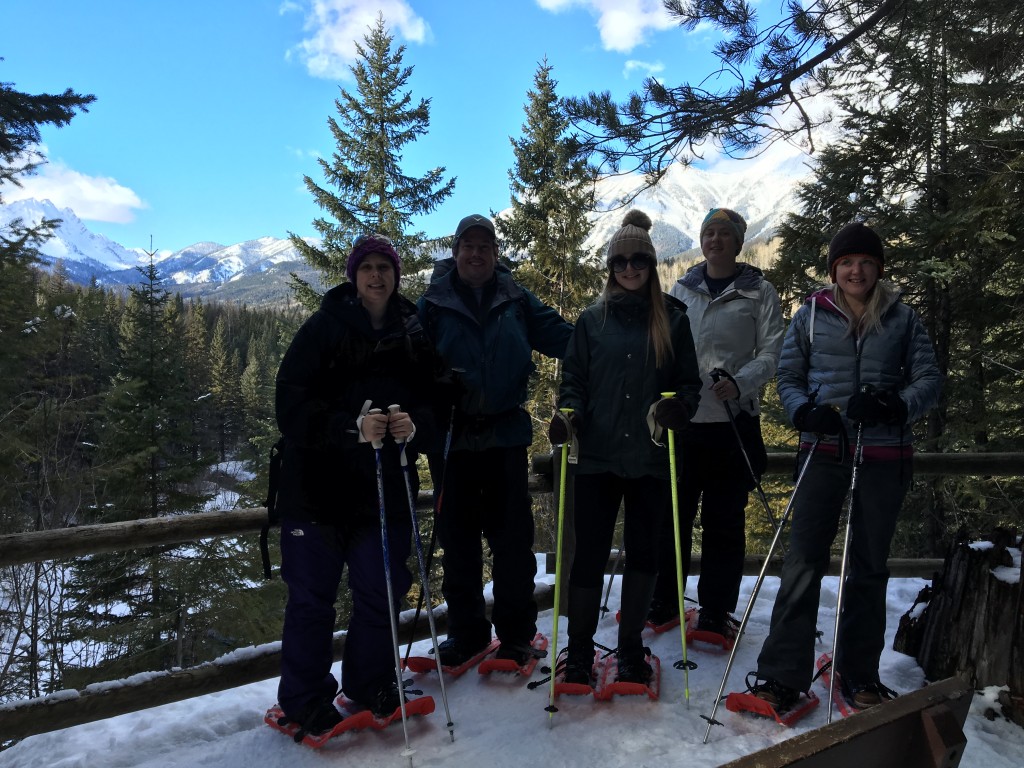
(208, 114)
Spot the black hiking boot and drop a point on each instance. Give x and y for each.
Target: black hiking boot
(584, 614)
(662, 612)
(386, 700)
(633, 668)
(637, 591)
(779, 696)
(579, 664)
(453, 652)
(515, 653)
(316, 717)
(719, 623)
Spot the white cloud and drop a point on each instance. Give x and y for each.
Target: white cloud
(796, 150)
(648, 68)
(623, 24)
(96, 198)
(333, 27)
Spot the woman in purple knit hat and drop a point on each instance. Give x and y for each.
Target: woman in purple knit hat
(363, 351)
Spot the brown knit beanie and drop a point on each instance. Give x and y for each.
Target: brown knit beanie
(632, 237)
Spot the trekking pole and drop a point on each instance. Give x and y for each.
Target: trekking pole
(438, 499)
(716, 376)
(679, 555)
(424, 577)
(377, 446)
(608, 589)
(842, 568)
(757, 588)
(563, 472)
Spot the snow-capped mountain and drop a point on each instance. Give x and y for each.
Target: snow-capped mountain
(256, 271)
(201, 269)
(761, 191)
(84, 253)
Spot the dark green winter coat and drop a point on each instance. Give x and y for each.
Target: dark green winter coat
(610, 381)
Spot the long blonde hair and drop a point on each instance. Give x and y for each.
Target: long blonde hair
(658, 331)
(880, 298)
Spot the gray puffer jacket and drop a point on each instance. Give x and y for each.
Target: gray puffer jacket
(739, 331)
(819, 355)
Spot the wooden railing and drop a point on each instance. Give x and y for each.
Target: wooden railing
(112, 537)
(44, 714)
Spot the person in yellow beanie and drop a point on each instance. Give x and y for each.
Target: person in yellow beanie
(737, 330)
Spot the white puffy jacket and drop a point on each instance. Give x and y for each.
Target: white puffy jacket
(739, 331)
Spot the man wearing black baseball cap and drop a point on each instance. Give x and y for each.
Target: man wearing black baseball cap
(485, 326)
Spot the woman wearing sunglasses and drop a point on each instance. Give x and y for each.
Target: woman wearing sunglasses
(630, 346)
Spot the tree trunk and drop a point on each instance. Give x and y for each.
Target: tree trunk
(972, 622)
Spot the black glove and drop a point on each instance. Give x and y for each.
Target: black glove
(449, 389)
(877, 406)
(562, 428)
(820, 419)
(670, 413)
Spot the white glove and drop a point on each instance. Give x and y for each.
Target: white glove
(362, 424)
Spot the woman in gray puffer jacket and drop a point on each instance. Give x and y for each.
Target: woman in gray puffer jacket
(856, 363)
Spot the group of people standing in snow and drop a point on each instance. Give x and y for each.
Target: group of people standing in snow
(370, 376)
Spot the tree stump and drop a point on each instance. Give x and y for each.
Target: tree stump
(970, 621)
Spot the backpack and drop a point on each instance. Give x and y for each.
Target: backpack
(273, 518)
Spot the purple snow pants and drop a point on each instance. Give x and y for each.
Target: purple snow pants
(312, 559)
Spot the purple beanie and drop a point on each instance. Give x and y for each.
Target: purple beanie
(367, 244)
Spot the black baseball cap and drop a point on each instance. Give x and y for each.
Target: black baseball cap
(474, 220)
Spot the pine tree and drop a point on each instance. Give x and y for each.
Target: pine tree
(21, 115)
(767, 66)
(257, 392)
(552, 193)
(197, 362)
(147, 468)
(41, 477)
(373, 193)
(224, 386)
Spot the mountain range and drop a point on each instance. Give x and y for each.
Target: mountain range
(257, 271)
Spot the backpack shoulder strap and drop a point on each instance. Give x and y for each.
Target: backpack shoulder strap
(273, 518)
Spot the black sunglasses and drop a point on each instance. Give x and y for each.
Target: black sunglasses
(638, 261)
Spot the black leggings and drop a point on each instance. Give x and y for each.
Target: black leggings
(597, 500)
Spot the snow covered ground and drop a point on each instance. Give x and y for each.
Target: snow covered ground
(499, 722)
